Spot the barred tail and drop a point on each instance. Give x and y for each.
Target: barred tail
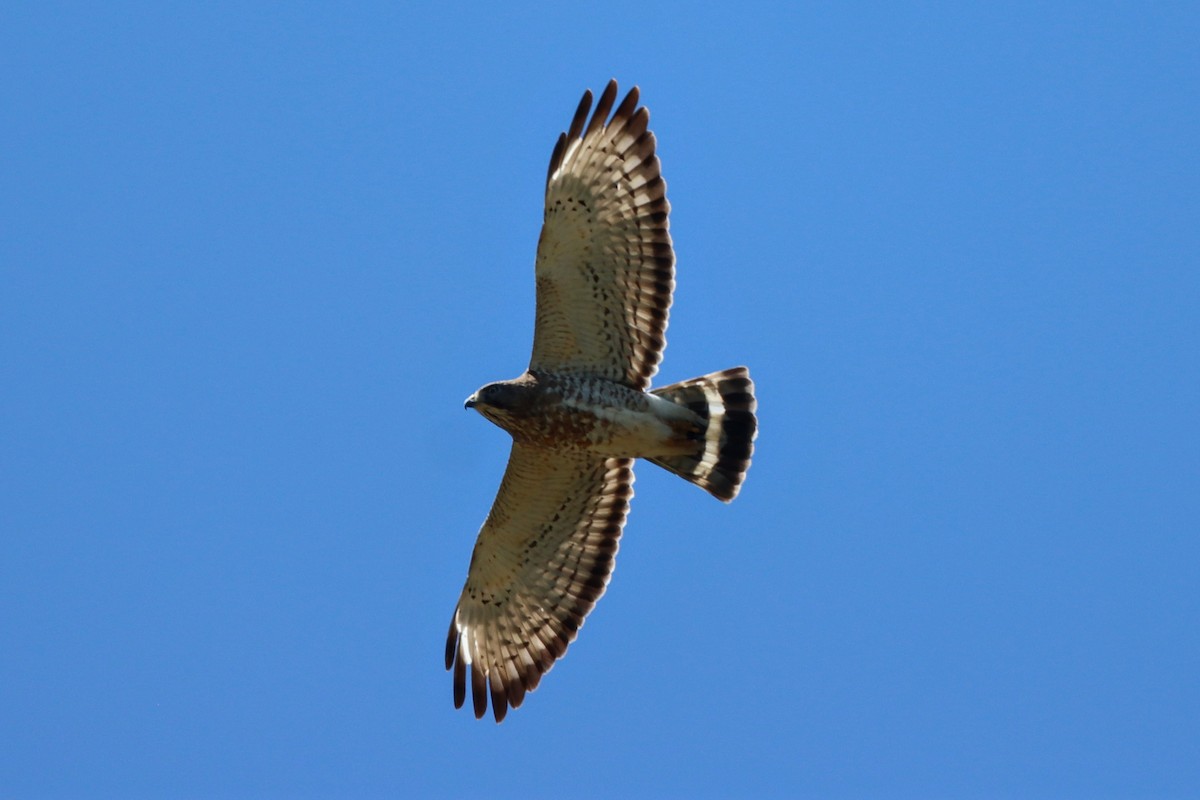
(725, 401)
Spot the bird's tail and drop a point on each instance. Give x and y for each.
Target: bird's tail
(725, 402)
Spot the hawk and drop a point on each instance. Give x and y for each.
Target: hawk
(583, 411)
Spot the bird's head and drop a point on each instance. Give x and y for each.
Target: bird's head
(499, 402)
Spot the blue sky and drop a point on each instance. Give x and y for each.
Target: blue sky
(254, 257)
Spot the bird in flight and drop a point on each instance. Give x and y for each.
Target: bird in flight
(584, 410)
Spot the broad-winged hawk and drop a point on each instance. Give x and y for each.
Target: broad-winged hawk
(583, 411)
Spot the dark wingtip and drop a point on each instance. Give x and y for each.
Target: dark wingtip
(460, 683)
(560, 147)
(478, 691)
(499, 700)
(628, 105)
(581, 112)
(452, 641)
(605, 104)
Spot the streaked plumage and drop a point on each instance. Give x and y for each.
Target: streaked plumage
(581, 413)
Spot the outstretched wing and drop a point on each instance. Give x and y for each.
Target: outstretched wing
(541, 561)
(605, 267)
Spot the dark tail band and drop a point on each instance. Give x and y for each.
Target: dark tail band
(725, 401)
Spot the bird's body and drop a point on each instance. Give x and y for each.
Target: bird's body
(583, 411)
(588, 414)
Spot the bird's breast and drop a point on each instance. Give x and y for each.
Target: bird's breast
(600, 417)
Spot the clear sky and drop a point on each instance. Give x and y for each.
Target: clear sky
(253, 258)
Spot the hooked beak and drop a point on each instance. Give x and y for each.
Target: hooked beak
(470, 402)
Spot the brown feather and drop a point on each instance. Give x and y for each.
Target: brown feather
(580, 117)
(478, 690)
(460, 682)
(602, 108)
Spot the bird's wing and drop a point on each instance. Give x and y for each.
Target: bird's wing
(542, 559)
(605, 267)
